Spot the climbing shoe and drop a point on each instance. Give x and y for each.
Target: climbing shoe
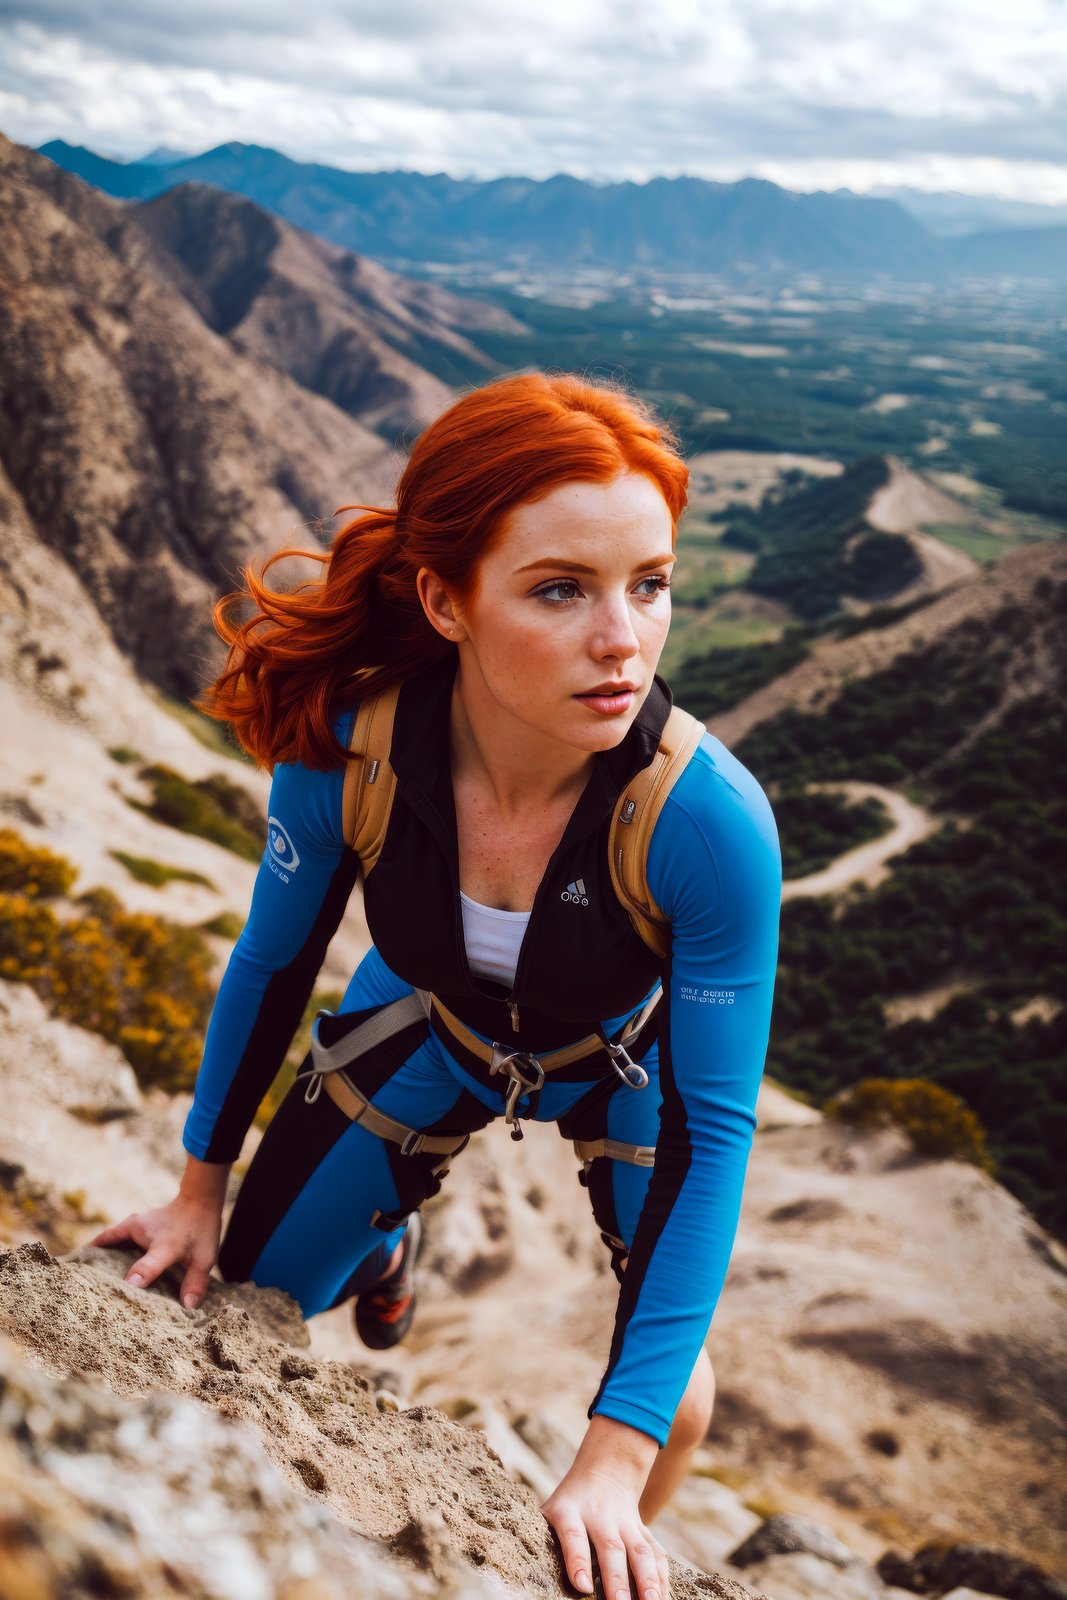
(384, 1312)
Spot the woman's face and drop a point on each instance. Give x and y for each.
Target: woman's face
(570, 611)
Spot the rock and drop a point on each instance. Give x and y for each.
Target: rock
(786, 1535)
(966, 1594)
(425, 1542)
(226, 1499)
(803, 1576)
(522, 1462)
(84, 1073)
(159, 1496)
(939, 1567)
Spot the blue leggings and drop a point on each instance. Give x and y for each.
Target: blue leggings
(303, 1218)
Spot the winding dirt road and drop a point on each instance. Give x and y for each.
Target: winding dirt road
(868, 862)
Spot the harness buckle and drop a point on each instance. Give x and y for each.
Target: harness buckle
(526, 1074)
(524, 1070)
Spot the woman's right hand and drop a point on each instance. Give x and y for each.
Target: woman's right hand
(186, 1230)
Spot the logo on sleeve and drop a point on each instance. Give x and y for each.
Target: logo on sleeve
(574, 894)
(705, 994)
(280, 848)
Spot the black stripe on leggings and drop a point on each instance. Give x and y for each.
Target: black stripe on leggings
(298, 1138)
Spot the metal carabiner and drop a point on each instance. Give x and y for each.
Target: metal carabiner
(314, 1088)
(631, 1072)
(516, 1064)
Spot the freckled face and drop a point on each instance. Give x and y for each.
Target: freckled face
(571, 609)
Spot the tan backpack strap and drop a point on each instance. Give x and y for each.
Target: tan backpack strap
(631, 830)
(367, 798)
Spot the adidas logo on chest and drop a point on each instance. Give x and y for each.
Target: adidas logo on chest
(574, 894)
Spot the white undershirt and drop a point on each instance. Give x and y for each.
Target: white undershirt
(492, 938)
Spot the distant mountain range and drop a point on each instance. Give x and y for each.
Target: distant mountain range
(951, 215)
(738, 229)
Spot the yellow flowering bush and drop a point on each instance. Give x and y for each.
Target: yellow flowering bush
(937, 1122)
(141, 982)
(28, 934)
(31, 869)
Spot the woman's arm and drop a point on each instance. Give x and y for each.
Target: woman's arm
(303, 885)
(714, 868)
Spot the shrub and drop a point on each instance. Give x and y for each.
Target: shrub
(33, 870)
(937, 1122)
(157, 873)
(141, 982)
(28, 934)
(213, 808)
(227, 925)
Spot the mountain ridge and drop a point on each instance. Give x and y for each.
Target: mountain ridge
(666, 224)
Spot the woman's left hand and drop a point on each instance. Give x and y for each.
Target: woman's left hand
(597, 1502)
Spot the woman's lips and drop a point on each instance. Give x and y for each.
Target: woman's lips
(608, 702)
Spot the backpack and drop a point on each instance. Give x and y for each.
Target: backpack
(370, 784)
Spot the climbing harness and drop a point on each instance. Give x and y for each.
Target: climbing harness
(525, 1072)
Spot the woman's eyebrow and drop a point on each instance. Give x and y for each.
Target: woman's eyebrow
(558, 564)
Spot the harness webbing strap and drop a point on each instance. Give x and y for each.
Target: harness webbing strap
(347, 1097)
(549, 1062)
(367, 793)
(390, 1019)
(635, 819)
(640, 1155)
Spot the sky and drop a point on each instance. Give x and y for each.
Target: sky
(967, 95)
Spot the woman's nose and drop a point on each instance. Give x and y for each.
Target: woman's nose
(614, 634)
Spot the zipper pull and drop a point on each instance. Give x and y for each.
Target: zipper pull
(513, 1008)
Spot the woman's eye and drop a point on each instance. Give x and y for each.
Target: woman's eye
(649, 588)
(557, 593)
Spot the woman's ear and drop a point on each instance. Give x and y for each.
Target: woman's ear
(442, 610)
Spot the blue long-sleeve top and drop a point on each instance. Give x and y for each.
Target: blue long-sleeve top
(714, 869)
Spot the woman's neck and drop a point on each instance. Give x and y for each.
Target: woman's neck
(520, 767)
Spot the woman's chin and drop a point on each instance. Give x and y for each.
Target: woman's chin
(601, 733)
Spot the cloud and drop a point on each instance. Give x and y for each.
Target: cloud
(600, 88)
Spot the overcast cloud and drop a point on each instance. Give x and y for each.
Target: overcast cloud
(942, 94)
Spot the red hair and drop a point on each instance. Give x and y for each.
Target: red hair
(361, 627)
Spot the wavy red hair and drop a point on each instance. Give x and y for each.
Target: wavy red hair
(361, 627)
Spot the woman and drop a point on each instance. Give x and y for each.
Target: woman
(519, 595)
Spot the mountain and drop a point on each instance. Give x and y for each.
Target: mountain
(665, 225)
(340, 325)
(140, 446)
(850, 540)
(163, 156)
(888, 1347)
(158, 427)
(953, 215)
(676, 224)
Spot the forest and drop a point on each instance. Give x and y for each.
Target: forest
(980, 905)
